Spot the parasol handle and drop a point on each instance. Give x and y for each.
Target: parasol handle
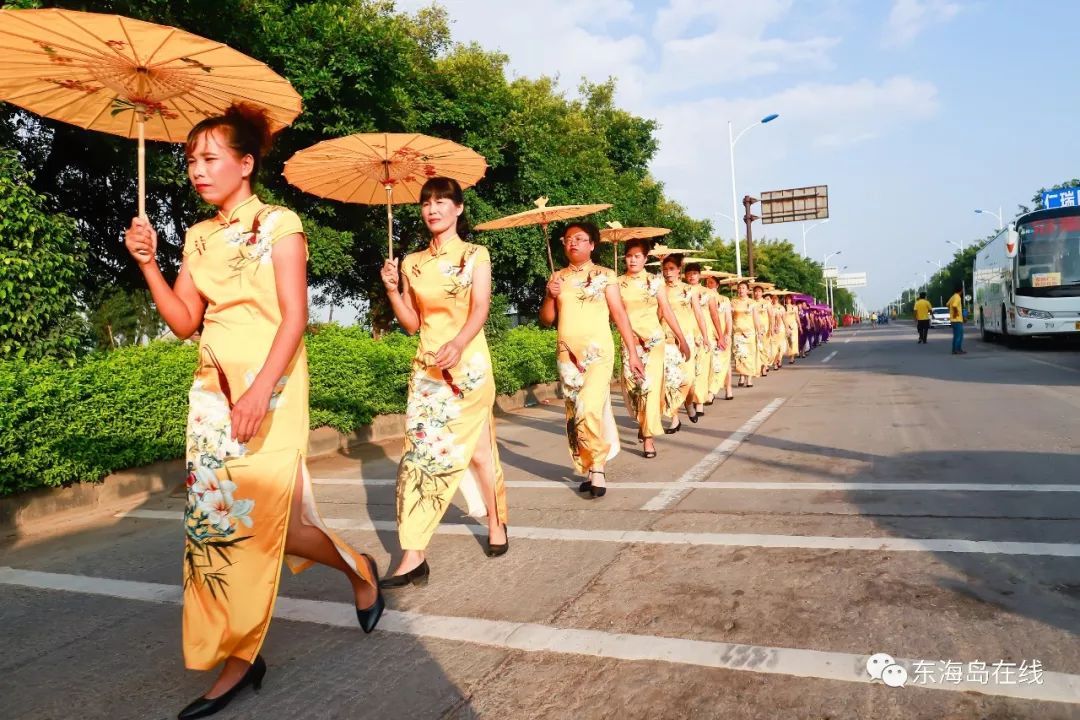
(547, 244)
(142, 165)
(389, 221)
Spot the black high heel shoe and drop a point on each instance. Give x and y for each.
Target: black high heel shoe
(205, 707)
(673, 430)
(593, 489)
(369, 617)
(693, 418)
(494, 550)
(417, 576)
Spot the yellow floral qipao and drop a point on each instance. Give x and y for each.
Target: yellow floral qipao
(791, 327)
(639, 292)
(239, 495)
(764, 347)
(679, 373)
(699, 391)
(744, 353)
(721, 358)
(447, 409)
(778, 334)
(586, 359)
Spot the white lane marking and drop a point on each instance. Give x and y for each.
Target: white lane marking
(534, 637)
(847, 341)
(656, 537)
(1051, 364)
(737, 485)
(829, 357)
(713, 460)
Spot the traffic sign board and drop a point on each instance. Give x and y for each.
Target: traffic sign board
(1061, 197)
(851, 280)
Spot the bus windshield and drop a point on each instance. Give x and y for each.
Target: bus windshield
(1048, 260)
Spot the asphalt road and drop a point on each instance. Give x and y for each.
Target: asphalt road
(877, 497)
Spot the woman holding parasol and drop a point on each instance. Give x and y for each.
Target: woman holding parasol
(720, 379)
(583, 299)
(646, 306)
(243, 282)
(444, 292)
(679, 373)
(744, 337)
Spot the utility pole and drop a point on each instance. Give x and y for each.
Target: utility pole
(749, 218)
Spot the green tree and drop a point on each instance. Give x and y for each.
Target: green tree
(41, 260)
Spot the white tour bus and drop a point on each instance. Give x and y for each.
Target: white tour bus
(1027, 279)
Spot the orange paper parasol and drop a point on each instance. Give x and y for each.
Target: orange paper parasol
(129, 77)
(542, 215)
(377, 168)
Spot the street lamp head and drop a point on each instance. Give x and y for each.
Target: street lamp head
(769, 118)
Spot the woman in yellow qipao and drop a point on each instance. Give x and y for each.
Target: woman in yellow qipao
(779, 332)
(703, 365)
(764, 330)
(243, 281)
(720, 379)
(680, 373)
(444, 292)
(583, 298)
(646, 305)
(791, 329)
(744, 335)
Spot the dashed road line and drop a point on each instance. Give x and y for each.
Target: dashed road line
(829, 357)
(708, 464)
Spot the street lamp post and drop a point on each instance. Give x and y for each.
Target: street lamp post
(999, 215)
(828, 283)
(806, 229)
(734, 195)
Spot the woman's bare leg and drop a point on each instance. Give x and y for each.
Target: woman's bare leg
(483, 468)
(311, 543)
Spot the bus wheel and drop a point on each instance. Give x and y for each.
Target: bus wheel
(1006, 338)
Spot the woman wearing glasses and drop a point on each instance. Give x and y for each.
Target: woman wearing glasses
(584, 298)
(444, 292)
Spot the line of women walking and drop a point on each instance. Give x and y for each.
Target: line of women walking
(242, 286)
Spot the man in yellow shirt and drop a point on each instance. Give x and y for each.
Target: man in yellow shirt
(922, 316)
(956, 318)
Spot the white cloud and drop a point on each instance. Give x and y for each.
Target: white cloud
(908, 18)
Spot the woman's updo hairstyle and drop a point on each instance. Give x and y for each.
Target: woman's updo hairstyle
(642, 244)
(692, 267)
(444, 188)
(674, 258)
(245, 129)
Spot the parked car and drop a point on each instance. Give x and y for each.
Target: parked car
(939, 317)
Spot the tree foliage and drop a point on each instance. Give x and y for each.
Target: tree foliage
(41, 259)
(363, 66)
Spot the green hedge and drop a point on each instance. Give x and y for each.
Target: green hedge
(125, 408)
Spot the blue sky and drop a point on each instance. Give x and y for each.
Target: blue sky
(914, 112)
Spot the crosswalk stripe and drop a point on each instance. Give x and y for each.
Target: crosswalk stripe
(535, 637)
(748, 485)
(656, 537)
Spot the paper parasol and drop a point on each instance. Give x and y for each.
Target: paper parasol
(128, 77)
(542, 215)
(377, 168)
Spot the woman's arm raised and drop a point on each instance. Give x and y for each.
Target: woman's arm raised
(180, 306)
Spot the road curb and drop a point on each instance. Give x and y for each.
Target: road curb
(40, 510)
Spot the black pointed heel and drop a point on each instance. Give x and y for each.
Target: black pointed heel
(650, 453)
(595, 491)
(494, 550)
(205, 707)
(417, 576)
(369, 617)
(672, 431)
